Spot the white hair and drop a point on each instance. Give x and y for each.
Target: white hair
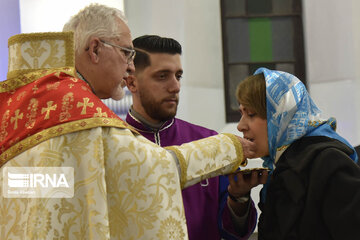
(94, 20)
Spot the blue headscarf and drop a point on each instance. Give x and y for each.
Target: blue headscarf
(291, 115)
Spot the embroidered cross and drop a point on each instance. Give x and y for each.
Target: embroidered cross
(84, 105)
(71, 85)
(16, 118)
(48, 109)
(35, 88)
(99, 113)
(9, 101)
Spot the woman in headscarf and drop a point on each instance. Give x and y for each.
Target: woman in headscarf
(313, 189)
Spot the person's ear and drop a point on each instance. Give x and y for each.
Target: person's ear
(131, 83)
(95, 47)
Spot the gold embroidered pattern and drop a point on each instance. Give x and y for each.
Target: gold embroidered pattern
(20, 96)
(35, 88)
(38, 222)
(9, 101)
(239, 150)
(200, 153)
(16, 118)
(40, 51)
(13, 141)
(17, 60)
(54, 60)
(125, 187)
(100, 113)
(52, 86)
(21, 80)
(170, 230)
(49, 108)
(182, 163)
(4, 124)
(66, 106)
(85, 88)
(57, 131)
(84, 105)
(35, 51)
(33, 105)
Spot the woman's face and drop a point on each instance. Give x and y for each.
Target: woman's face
(254, 129)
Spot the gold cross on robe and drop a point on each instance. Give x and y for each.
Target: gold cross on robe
(16, 118)
(48, 109)
(84, 105)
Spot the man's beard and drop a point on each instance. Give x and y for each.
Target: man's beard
(154, 110)
(118, 93)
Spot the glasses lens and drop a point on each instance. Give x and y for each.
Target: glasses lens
(127, 53)
(131, 56)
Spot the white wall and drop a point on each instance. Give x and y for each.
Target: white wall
(355, 30)
(196, 25)
(51, 15)
(332, 60)
(331, 50)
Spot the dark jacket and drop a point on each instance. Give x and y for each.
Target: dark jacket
(314, 193)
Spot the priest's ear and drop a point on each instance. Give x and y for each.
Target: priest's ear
(94, 49)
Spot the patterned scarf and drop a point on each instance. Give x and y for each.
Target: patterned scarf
(292, 114)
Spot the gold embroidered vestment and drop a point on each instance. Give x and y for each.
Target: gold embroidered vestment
(125, 187)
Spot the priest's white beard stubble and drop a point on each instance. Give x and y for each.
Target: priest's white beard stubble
(118, 93)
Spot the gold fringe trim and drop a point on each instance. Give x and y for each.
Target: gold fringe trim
(182, 163)
(239, 151)
(59, 130)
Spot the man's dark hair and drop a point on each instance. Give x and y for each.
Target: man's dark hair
(153, 44)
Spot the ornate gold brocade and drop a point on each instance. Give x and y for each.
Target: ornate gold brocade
(22, 80)
(14, 120)
(4, 124)
(34, 51)
(33, 105)
(84, 105)
(66, 107)
(50, 107)
(199, 150)
(126, 187)
(57, 131)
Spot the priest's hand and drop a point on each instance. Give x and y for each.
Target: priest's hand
(249, 148)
